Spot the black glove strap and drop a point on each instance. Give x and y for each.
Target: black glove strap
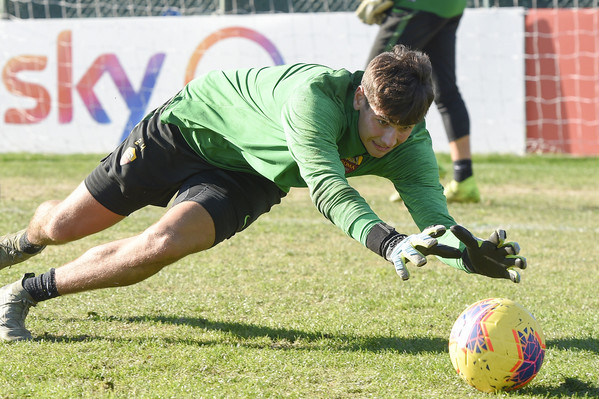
(382, 238)
(467, 263)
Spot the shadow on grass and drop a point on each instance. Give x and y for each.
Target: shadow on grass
(294, 339)
(588, 344)
(568, 388)
(297, 339)
(280, 338)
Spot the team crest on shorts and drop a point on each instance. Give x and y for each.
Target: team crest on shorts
(130, 153)
(352, 164)
(128, 156)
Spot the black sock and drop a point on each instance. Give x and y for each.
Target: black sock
(28, 247)
(462, 169)
(42, 287)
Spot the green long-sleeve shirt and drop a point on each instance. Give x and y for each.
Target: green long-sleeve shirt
(443, 8)
(296, 126)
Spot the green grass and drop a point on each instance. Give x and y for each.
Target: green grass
(292, 308)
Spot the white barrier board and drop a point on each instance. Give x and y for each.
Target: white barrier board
(78, 85)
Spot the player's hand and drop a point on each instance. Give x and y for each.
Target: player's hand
(373, 11)
(494, 257)
(416, 247)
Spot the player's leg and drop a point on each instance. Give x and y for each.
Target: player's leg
(449, 101)
(139, 172)
(460, 148)
(184, 229)
(77, 216)
(408, 27)
(57, 222)
(463, 187)
(234, 199)
(451, 106)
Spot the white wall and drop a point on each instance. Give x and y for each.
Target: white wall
(490, 69)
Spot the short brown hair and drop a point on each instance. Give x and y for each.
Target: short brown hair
(399, 84)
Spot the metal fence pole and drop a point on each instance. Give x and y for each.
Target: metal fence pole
(3, 13)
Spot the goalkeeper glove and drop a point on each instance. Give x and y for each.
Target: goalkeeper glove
(400, 249)
(373, 11)
(493, 258)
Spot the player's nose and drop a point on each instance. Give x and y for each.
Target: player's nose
(390, 137)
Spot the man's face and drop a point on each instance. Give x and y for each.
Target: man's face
(378, 134)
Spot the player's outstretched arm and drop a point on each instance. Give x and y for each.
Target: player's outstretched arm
(400, 249)
(494, 257)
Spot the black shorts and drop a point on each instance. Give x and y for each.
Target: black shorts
(155, 163)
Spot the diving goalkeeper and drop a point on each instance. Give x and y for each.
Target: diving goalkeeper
(228, 147)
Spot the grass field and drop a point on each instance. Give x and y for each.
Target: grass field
(294, 309)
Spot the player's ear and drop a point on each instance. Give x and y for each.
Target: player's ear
(359, 98)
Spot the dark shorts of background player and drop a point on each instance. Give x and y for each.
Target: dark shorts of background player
(155, 162)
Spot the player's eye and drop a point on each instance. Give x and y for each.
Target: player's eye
(382, 122)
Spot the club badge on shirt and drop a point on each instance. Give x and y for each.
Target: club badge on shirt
(352, 164)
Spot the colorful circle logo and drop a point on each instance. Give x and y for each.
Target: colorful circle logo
(226, 33)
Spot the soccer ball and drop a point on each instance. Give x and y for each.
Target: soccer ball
(496, 345)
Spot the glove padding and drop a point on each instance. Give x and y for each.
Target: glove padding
(494, 257)
(416, 247)
(373, 11)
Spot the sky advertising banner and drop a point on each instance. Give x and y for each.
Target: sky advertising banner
(80, 85)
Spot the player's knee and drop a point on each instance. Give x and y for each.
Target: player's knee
(50, 225)
(169, 245)
(448, 98)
